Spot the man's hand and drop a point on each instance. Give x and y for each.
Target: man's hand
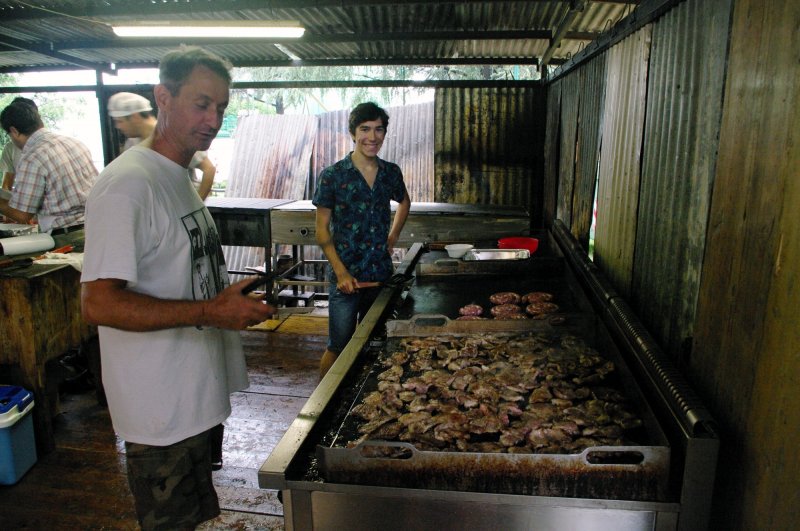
(346, 283)
(232, 310)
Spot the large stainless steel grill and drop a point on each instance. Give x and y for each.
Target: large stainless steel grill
(637, 470)
(667, 486)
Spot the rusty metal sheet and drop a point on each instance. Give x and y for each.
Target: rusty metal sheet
(271, 155)
(587, 150)
(407, 144)
(570, 102)
(270, 160)
(620, 156)
(486, 149)
(684, 107)
(551, 151)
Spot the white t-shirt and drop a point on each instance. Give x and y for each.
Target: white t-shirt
(146, 225)
(198, 157)
(10, 158)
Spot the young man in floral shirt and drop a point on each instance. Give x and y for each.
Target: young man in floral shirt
(354, 225)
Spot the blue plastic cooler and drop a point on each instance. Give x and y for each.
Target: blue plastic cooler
(17, 443)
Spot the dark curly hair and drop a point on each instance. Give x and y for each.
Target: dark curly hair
(23, 115)
(365, 112)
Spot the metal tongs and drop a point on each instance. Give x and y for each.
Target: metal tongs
(395, 281)
(263, 279)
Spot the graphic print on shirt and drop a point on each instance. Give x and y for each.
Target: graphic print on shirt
(209, 275)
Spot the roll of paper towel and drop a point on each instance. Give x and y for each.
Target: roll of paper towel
(29, 243)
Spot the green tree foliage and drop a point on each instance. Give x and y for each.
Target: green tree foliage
(303, 100)
(51, 108)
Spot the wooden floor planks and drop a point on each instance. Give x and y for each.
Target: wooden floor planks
(82, 484)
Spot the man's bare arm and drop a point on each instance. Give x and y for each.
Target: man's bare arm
(17, 215)
(400, 217)
(107, 302)
(344, 280)
(207, 181)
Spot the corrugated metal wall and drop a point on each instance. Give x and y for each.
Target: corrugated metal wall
(684, 106)
(408, 144)
(587, 150)
(618, 176)
(658, 124)
(488, 146)
(270, 156)
(333, 142)
(552, 145)
(280, 157)
(712, 267)
(270, 159)
(568, 121)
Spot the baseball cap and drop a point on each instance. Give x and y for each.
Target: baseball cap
(127, 103)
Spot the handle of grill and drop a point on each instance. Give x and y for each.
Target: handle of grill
(385, 450)
(595, 457)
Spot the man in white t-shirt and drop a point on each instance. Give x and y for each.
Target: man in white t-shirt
(155, 283)
(8, 163)
(133, 116)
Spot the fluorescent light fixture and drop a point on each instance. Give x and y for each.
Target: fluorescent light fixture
(244, 29)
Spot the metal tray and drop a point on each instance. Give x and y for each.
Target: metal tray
(496, 254)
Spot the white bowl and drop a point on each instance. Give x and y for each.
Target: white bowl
(457, 250)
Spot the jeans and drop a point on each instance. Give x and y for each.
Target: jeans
(345, 312)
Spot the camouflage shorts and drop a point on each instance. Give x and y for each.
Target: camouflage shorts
(172, 485)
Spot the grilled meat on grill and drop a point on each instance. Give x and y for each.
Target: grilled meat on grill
(541, 308)
(537, 296)
(518, 393)
(505, 309)
(505, 297)
(471, 309)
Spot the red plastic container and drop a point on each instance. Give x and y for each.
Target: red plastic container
(518, 242)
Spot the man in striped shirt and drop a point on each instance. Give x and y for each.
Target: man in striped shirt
(53, 177)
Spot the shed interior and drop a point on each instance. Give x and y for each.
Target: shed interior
(677, 119)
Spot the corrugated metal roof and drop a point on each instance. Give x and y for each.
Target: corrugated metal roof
(60, 32)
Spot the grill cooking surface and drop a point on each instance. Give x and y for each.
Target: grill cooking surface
(500, 406)
(446, 295)
(557, 425)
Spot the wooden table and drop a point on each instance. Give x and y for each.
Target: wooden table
(40, 319)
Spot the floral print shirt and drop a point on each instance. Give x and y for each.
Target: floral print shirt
(360, 216)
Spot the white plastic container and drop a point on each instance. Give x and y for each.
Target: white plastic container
(457, 250)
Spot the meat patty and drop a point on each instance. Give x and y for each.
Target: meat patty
(541, 308)
(537, 296)
(505, 309)
(505, 297)
(471, 309)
